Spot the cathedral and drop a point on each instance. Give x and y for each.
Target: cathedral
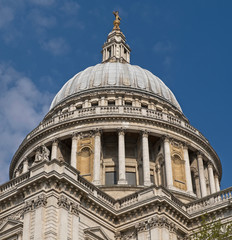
(114, 158)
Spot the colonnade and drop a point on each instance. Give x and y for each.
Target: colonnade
(212, 176)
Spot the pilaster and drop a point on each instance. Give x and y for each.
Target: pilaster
(97, 157)
(168, 163)
(121, 157)
(146, 159)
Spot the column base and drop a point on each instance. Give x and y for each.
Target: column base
(147, 184)
(191, 193)
(122, 182)
(96, 182)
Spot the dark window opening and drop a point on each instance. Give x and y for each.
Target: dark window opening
(111, 178)
(131, 178)
(152, 179)
(94, 104)
(111, 103)
(193, 182)
(128, 103)
(109, 50)
(79, 107)
(144, 105)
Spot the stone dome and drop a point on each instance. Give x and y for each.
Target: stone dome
(115, 75)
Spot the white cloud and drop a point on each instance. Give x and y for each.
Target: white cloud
(56, 46)
(163, 47)
(6, 16)
(43, 2)
(22, 107)
(41, 20)
(70, 7)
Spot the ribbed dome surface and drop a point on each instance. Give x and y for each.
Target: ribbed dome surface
(115, 75)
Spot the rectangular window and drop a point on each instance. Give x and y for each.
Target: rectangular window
(131, 178)
(152, 179)
(111, 178)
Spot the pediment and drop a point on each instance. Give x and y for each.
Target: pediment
(10, 224)
(95, 233)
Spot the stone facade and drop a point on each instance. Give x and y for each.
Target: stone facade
(113, 162)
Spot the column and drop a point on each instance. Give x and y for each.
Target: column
(187, 171)
(73, 161)
(97, 158)
(146, 160)
(54, 149)
(168, 163)
(121, 157)
(211, 178)
(25, 165)
(217, 185)
(201, 175)
(16, 173)
(158, 175)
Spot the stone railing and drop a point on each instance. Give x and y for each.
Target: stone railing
(207, 202)
(12, 184)
(115, 110)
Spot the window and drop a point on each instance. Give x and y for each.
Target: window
(131, 178)
(94, 104)
(111, 103)
(128, 103)
(111, 178)
(193, 182)
(152, 179)
(143, 105)
(109, 50)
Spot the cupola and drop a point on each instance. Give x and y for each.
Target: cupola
(115, 49)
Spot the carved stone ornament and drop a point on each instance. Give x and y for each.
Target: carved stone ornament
(68, 205)
(32, 204)
(42, 153)
(142, 226)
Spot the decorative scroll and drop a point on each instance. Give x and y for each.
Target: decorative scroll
(68, 205)
(38, 202)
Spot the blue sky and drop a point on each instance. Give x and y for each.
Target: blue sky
(187, 44)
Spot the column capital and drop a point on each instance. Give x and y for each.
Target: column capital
(199, 154)
(25, 159)
(55, 141)
(145, 133)
(210, 164)
(166, 138)
(75, 134)
(98, 132)
(121, 131)
(185, 145)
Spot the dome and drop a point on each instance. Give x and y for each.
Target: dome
(115, 75)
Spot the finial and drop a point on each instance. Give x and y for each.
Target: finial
(116, 21)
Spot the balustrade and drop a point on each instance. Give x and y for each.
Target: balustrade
(115, 110)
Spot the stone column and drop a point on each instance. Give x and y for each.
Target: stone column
(217, 185)
(211, 178)
(187, 171)
(16, 173)
(121, 157)
(158, 172)
(146, 160)
(201, 175)
(168, 163)
(54, 149)
(25, 165)
(73, 161)
(97, 158)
